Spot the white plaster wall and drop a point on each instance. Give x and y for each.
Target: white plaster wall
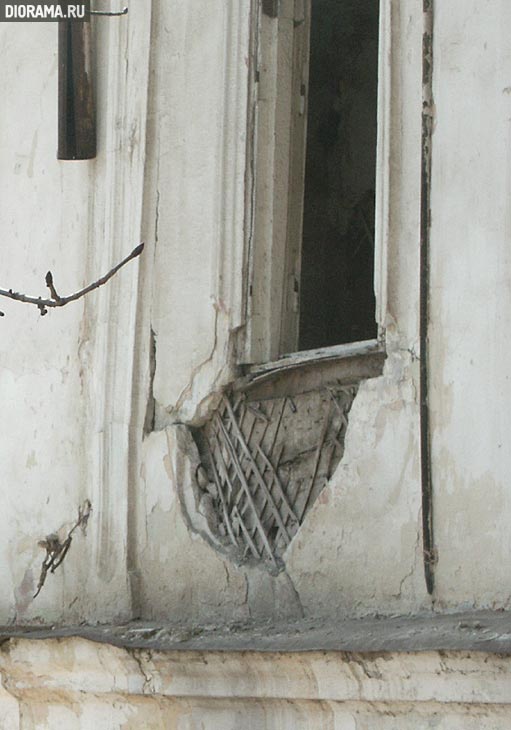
(471, 299)
(66, 401)
(200, 67)
(44, 224)
(76, 387)
(360, 548)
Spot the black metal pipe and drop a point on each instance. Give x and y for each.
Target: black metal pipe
(76, 112)
(430, 555)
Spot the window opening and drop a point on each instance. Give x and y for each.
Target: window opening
(337, 301)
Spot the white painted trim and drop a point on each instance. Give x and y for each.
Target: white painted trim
(109, 326)
(278, 43)
(383, 146)
(230, 286)
(305, 357)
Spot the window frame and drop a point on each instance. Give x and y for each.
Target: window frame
(278, 97)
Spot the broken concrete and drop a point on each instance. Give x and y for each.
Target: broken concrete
(470, 631)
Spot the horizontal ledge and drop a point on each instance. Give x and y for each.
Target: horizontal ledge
(322, 354)
(484, 630)
(66, 664)
(301, 372)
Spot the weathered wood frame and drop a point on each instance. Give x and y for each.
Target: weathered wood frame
(277, 159)
(275, 177)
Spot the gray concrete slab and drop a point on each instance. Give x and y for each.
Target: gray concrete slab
(486, 631)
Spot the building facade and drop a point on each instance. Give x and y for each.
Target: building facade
(291, 411)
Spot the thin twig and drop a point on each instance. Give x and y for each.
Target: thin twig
(57, 301)
(49, 283)
(56, 551)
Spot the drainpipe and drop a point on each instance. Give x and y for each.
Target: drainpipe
(429, 552)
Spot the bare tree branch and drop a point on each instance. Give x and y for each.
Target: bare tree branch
(57, 301)
(56, 550)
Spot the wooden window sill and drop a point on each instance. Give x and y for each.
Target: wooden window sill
(301, 372)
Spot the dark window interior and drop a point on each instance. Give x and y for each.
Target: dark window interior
(337, 303)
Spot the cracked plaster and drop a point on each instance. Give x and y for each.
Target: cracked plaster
(86, 684)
